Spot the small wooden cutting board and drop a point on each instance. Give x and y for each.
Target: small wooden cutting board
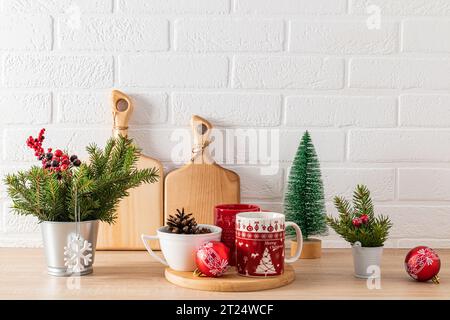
(201, 184)
(231, 281)
(142, 211)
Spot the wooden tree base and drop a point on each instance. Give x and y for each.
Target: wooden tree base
(312, 248)
(230, 282)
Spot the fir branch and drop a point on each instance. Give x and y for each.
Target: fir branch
(372, 234)
(362, 201)
(343, 206)
(99, 184)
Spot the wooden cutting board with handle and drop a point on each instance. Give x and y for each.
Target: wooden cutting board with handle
(142, 211)
(201, 184)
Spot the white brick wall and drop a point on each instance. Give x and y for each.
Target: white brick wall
(403, 7)
(343, 37)
(307, 7)
(408, 145)
(417, 110)
(215, 35)
(174, 6)
(32, 33)
(113, 34)
(57, 6)
(424, 184)
(78, 107)
(25, 108)
(341, 181)
(426, 35)
(228, 109)
(57, 71)
(341, 111)
(182, 71)
(376, 100)
(287, 72)
(400, 73)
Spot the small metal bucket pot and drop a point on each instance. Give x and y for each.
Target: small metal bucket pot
(367, 261)
(56, 236)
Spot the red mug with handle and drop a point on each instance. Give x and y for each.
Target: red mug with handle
(260, 248)
(225, 217)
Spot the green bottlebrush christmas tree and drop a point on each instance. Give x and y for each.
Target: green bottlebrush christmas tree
(304, 201)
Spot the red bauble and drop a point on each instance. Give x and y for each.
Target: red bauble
(423, 264)
(212, 258)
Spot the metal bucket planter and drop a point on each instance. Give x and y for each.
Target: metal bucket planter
(56, 236)
(366, 261)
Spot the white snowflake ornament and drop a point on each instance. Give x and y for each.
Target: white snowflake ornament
(77, 254)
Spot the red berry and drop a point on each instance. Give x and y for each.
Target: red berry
(64, 167)
(357, 222)
(58, 153)
(49, 150)
(364, 218)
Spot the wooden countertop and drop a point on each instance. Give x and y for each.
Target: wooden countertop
(134, 275)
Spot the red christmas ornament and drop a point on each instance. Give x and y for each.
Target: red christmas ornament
(212, 258)
(423, 264)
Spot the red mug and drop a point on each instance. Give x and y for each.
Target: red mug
(260, 240)
(225, 217)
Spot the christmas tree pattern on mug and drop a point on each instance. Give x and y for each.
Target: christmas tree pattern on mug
(260, 254)
(265, 265)
(262, 264)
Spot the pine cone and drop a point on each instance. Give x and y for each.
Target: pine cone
(183, 223)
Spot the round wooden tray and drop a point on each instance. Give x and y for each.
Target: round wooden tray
(230, 281)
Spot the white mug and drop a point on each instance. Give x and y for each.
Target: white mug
(179, 250)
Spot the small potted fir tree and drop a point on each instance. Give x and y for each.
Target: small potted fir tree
(366, 232)
(304, 201)
(69, 197)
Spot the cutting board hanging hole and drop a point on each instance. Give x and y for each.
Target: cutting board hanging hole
(122, 105)
(202, 129)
